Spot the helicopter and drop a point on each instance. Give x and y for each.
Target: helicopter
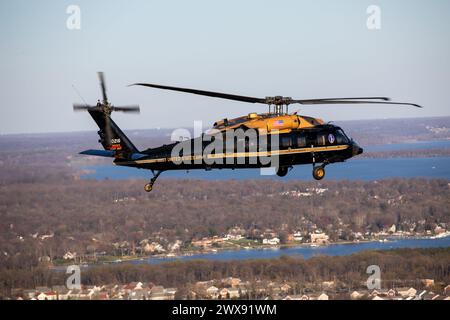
(278, 139)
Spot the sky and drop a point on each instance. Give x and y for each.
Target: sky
(301, 49)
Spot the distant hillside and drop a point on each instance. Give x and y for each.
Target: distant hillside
(383, 131)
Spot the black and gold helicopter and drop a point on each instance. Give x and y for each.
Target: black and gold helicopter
(291, 138)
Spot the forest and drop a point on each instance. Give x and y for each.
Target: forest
(40, 219)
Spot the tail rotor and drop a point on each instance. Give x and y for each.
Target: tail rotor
(101, 112)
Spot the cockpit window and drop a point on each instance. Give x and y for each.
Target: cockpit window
(341, 138)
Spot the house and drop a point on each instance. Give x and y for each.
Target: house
(224, 293)
(157, 289)
(158, 296)
(62, 292)
(43, 289)
(235, 233)
(29, 294)
(203, 284)
(273, 241)
(355, 295)
(233, 282)
(328, 284)
(153, 247)
(285, 287)
(74, 294)
(406, 292)
(159, 293)
(294, 297)
(50, 295)
(86, 294)
(383, 293)
(230, 236)
(298, 236)
(323, 296)
(320, 238)
(170, 293)
(69, 255)
(447, 290)
(233, 293)
(138, 294)
(93, 288)
(174, 246)
(212, 292)
(133, 286)
(102, 296)
(428, 282)
(377, 298)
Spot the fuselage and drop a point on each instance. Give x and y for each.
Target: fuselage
(319, 144)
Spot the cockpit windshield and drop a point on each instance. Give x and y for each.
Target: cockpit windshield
(341, 137)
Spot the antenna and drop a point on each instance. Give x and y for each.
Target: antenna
(78, 93)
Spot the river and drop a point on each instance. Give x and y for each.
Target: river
(353, 169)
(306, 251)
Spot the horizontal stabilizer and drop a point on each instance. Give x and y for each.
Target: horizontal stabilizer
(99, 153)
(136, 156)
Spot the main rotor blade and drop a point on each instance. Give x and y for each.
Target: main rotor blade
(205, 93)
(278, 99)
(103, 87)
(311, 102)
(130, 108)
(341, 99)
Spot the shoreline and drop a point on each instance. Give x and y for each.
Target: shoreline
(180, 256)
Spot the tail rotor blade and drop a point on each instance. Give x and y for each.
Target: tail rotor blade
(103, 87)
(82, 107)
(129, 108)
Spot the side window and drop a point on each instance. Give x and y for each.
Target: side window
(311, 139)
(286, 142)
(301, 141)
(321, 139)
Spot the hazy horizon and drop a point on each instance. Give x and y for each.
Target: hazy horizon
(205, 127)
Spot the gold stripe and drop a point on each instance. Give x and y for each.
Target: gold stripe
(240, 154)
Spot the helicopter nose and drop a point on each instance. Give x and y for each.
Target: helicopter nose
(356, 149)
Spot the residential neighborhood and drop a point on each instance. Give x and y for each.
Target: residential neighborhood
(234, 288)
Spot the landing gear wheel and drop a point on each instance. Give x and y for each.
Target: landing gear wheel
(282, 171)
(148, 187)
(318, 172)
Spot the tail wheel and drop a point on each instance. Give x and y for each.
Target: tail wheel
(148, 187)
(319, 172)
